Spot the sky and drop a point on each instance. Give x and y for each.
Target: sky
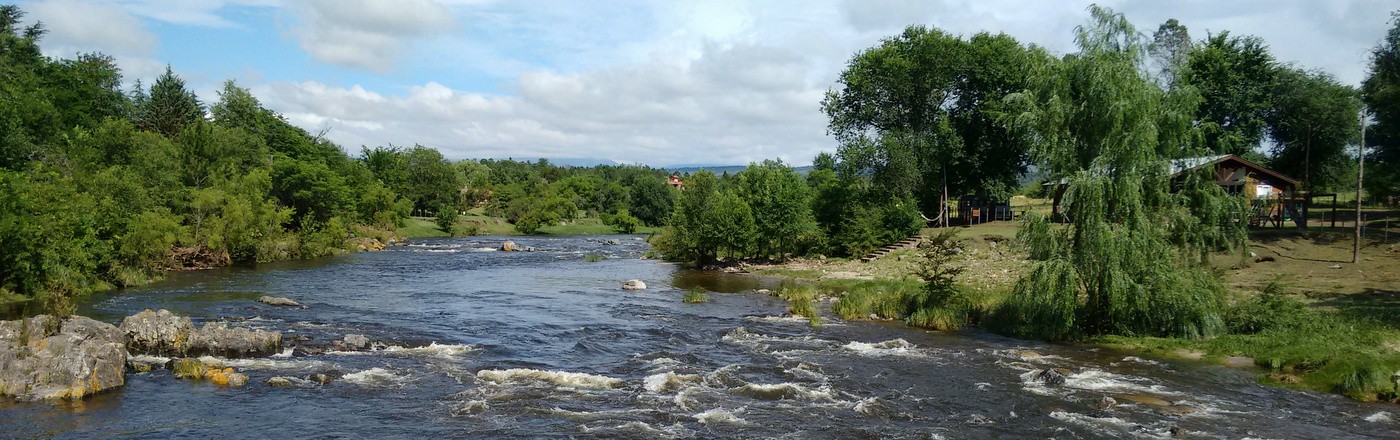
(661, 83)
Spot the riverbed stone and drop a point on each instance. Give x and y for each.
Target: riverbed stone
(509, 246)
(278, 301)
(219, 339)
(1051, 376)
(45, 357)
(634, 285)
(281, 382)
(353, 342)
(157, 332)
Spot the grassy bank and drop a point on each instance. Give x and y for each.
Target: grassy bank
(1300, 312)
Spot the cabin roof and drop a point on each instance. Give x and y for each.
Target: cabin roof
(1180, 166)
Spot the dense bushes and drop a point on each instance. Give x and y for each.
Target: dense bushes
(102, 188)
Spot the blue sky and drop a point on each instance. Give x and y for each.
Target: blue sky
(655, 82)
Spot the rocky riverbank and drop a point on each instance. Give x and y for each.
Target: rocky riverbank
(46, 357)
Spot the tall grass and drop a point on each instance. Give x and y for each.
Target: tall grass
(801, 300)
(695, 296)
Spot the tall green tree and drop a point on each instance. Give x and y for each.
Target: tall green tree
(169, 107)
(780, 203)
(1170, 48)
(1312, 121)
(1125, 264)
(1381, 95)
(1235, 77)
(922, 109)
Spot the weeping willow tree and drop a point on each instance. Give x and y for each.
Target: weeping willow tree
(1133, 259)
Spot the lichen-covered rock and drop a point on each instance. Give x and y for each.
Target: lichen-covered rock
(159, 333)
(47, 358)
(166, 334)
(217, 338)
(189, 368)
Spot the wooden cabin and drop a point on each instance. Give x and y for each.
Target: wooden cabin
(1275, 199)
(1239, 176)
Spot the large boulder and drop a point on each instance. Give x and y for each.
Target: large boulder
(163, 333)
(47, 358)
(510, 246)
(634, 285)
(159, 333)
(217, 338)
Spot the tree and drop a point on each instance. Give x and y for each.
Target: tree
(1381, 94)
(1313, 119)
(1124, 265)
(781, 206)
(1235, 77)
(169, 107)
(920, 111)
(1170, 48)
(652, 200)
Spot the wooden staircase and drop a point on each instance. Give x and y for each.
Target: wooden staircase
(907, 243)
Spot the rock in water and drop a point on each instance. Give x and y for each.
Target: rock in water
(634, 285)
(1052, 376)
(353, 342)
(160, 333)
(218, 339)
(509, 246)
(45, 358)
(280, 382)
(1104, 403)
(165, 334)
(277, 301)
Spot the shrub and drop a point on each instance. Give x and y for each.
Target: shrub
(695, 296)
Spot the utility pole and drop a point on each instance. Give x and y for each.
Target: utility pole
(1360, 172)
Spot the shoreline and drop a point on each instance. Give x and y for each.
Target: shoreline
(1301, 355)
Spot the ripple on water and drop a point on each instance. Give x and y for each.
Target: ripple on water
(564, 379)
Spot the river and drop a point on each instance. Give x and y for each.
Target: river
(476, 343)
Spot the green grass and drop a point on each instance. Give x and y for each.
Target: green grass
(695, 296)
(802, 300)
(594, 258)
(421, 227)
(1298, 347)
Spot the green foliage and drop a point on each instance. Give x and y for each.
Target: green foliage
(1381, 94)
(169, 107)
(1313, 119)
(801, 300)
(446, 217)
(593, 258)
(1128, 262)
(920, 111)
(98, 187)
(1235, 77)
(623, 222)
(695, 296)
(941, 304)
(780, 202)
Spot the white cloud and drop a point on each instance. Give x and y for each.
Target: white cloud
(367, 34)
(92, 26)
(734, 104)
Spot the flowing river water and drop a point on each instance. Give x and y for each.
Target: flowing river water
(475, 343)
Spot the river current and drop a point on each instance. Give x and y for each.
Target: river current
(474, 343)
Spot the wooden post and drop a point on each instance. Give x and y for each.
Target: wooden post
(1360, 172)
